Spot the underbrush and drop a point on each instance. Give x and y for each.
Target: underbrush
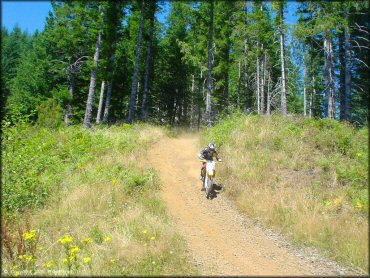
(85, 202)
(306, 178)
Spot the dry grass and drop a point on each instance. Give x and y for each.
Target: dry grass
(286, 174)
(114, 200)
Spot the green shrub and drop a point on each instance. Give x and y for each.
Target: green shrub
(96, 234)
(50, 114)
(313, 172)
(36, 159)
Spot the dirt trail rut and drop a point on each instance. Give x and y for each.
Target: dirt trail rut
(219, 239)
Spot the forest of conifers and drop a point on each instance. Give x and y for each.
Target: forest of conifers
(115, 62)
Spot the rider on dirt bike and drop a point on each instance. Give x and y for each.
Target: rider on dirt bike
(209, 153)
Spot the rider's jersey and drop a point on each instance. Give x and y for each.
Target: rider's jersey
(209, 154)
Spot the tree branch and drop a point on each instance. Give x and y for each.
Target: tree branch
(362, 62)
(359, 27)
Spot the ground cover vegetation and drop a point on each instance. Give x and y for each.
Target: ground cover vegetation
(61, 140)
(306, 178)
(84, 202)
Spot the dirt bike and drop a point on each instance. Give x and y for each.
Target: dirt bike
(208, 179)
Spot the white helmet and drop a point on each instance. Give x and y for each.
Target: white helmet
(212, 146)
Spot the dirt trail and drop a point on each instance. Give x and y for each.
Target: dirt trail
(221, 241)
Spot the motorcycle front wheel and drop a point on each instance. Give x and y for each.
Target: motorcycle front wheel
(208, 187)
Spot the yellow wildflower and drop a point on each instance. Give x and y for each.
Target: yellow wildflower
(358, 205)
(74, 250)
(113, 261)
(49, 264)
(152, 238)
(65, 240)
(21, 257)
(87, 240)
(65, 260)
(115, 182)
(145, 231)
(15, 266)
(107, 239)
(31, 235)
(87, 260)
(17, 273)
(30, 258)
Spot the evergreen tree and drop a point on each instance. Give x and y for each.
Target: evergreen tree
(210, 66)
(136, 71)
(209, 57)
(13, 44)
(149, 60)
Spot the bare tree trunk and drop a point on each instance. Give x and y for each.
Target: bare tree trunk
(313, 105)
(227, 95)
(283, 69)
(148, 63)
(201, 89)
(175, 105)
(258, 82)
(329, 68)
(101, 100)
(210, 67)
(90, 98)
(348, 75)
(239, 82)
(109, 93)
(310, 106)
(268, 108)
(134, 87)
(68, 113)
(184, 110)
(304, 88)
(342, 89)
(263, 68)
(137, 94)
(246, 59)
(192, 103)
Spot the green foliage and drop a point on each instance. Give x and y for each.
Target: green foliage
(96, 234)
(13, 45)
(31, 85)
(47, 64)
(50, 114)
(109, 203)
(314, 172)
(222, 133)
(36, 159)
(339, 147)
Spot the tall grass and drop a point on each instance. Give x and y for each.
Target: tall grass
(101, 214)
(306, 178)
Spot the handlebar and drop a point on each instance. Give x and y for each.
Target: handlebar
(204, 160)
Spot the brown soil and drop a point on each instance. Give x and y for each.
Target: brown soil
(221, 240)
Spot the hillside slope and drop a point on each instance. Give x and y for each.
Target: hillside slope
(221, 240)
(101, 211)
(308, 179)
